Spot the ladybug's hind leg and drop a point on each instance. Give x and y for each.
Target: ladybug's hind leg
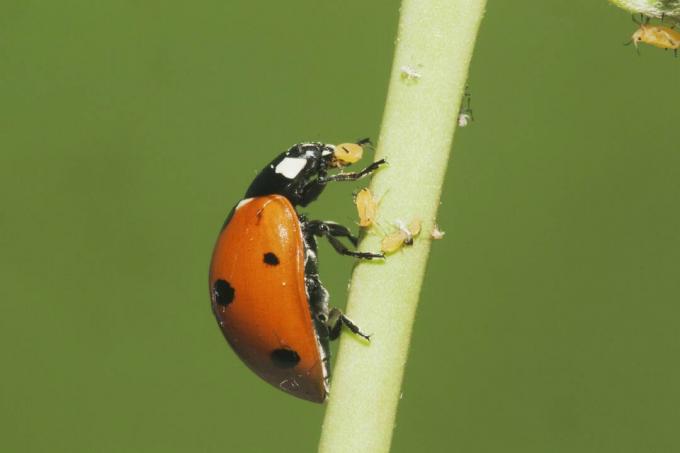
(337, 319)
(331, 231)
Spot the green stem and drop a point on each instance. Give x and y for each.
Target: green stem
(433, 52)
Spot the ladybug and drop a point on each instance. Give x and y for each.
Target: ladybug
(264, 281)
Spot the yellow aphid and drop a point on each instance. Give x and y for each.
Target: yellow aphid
(348, 153)
(402, 236)
(367, 207)
(657, 36)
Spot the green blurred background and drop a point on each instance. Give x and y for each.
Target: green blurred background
(549, 316)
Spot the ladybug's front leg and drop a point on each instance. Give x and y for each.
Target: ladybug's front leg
(354, 175)
(313, 189)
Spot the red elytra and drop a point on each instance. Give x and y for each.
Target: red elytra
(257, 276)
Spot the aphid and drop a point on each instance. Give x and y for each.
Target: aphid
(655, 35)
(409, 74)
(402, 236)
(465, 113)
(264, 281)
(367, 207)
(437, 233)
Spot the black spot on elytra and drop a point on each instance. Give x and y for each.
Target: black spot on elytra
(285, 358)
(271, 259)
(224, 293)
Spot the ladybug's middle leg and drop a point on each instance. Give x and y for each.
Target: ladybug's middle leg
(331, 231)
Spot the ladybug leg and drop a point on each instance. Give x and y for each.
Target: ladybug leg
(337, 319)
(331, 231)
(311, 192)
(353, 176)
(318, 298)
(337, 230)
(313, 189)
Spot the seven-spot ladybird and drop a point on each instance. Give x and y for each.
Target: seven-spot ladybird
(264, 282)
(367, 207)
(402, 236)
(656, 35)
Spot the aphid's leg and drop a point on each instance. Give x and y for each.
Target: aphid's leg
(337, 319)
(354, 175)
(675, 52)
(332, 230)
(634, 19)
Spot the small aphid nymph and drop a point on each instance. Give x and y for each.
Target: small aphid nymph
(657, 36)
(437, 234)
(402, 236)
(409, 74)
(465, 113)
(367, 207)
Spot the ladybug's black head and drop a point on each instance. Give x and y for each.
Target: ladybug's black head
(318, 156)
(298, 174)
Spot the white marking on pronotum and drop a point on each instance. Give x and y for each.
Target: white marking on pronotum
(243, 202)
(290, 167)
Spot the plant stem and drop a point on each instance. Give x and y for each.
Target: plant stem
(651, 8)
(433, 52)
